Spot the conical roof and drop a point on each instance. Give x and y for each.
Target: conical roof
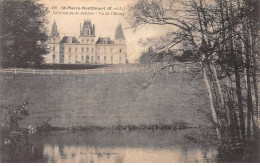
(119, 34)
(54, 30)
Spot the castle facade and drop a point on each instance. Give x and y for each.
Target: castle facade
(86, 48)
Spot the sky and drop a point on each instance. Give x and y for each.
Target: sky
(69, 25)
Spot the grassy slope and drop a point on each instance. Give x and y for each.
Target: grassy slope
(109, 99)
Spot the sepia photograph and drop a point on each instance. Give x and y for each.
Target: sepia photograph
(129, 81)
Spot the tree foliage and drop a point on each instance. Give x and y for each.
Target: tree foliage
(224, 36)
(23, 33)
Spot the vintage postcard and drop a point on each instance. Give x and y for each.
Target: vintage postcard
(129, 81)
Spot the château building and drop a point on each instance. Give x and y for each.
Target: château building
(87, 48)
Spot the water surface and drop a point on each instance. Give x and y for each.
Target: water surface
(111, 146)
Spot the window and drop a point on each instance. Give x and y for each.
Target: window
(98, 58)
(70, 40)
(76, 57)
(87, 40)
(53, 56)
(92, 49)
(120, 50)
(92, 41)
(87, 49)
(88, 31)
(92, 58)
(69, 49)
(53, 48)
(87, 58)
(82, 58)
(105, 58)
(112, 58)
(82, 49)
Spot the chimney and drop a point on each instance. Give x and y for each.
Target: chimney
(80, 29)
(94, 29)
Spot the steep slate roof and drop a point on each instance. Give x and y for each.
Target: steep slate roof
(65, 39)
(119, 34)
(54, 30)
(87, 25)
(102, 39)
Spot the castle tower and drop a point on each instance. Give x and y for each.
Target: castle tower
(119, 35)
(120, 46)
(87, 33)
(54, 43)
(54, 30)
(87, 41)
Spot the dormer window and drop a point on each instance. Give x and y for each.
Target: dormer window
(70, 40)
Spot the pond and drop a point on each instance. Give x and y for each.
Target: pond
(105, 146)
(111, 146)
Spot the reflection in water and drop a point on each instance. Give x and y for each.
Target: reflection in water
(127, 154)
(113, 146)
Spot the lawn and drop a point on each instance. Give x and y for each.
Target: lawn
(108, 99)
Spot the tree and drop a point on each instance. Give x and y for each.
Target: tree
(23, 33)
(225, 34)
(146, 57)
(188, 55)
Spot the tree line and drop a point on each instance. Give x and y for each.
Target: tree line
(223, 35)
